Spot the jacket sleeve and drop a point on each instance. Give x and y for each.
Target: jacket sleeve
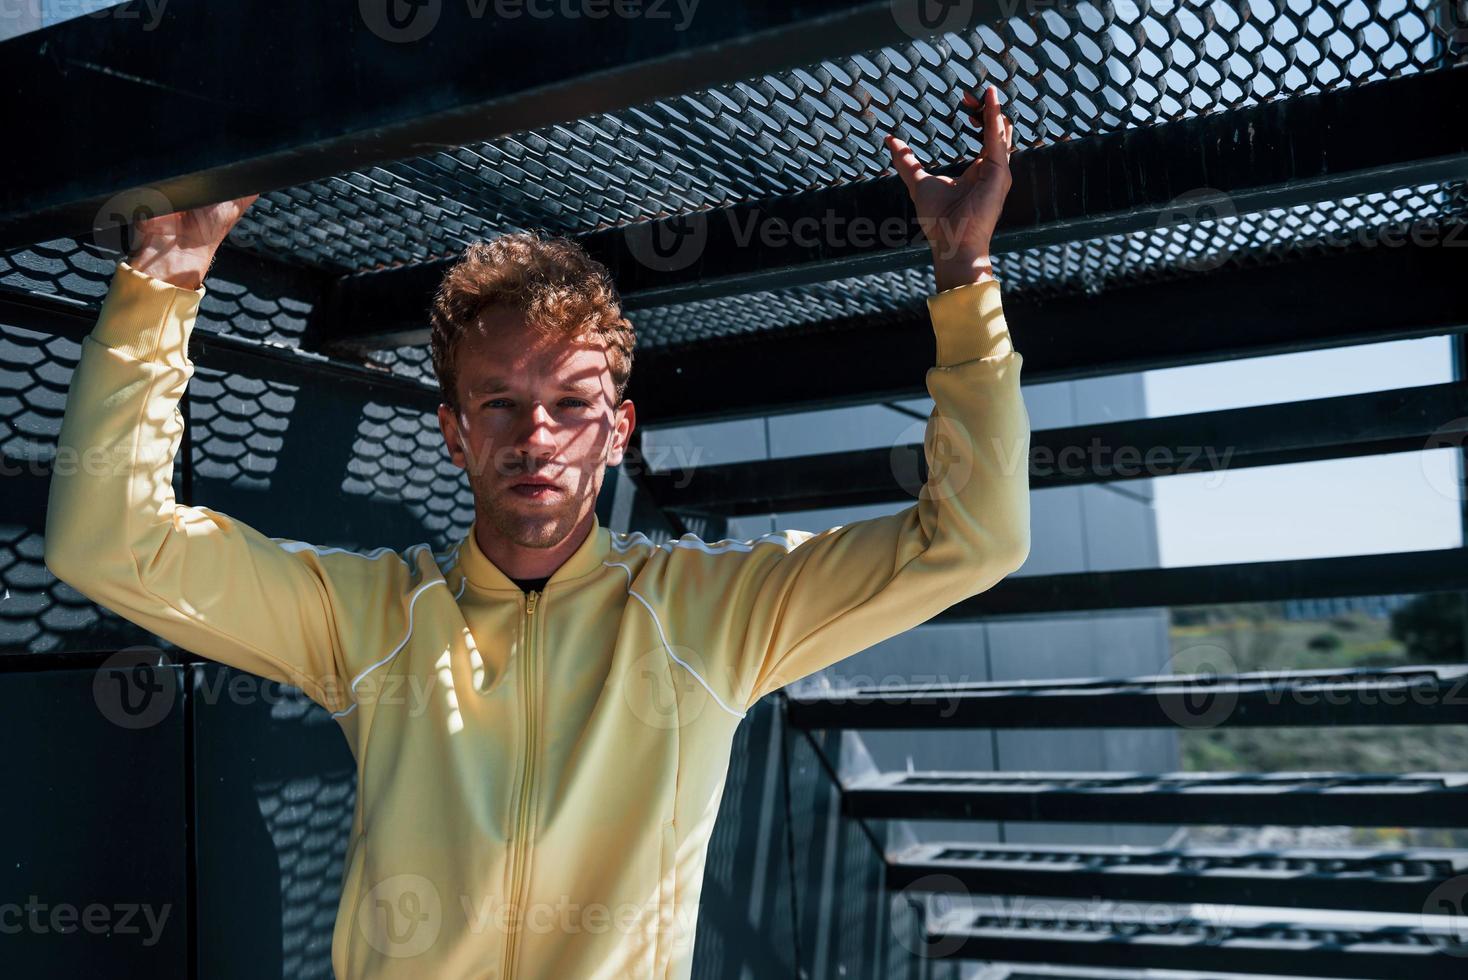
(811, 600)
(198, 578)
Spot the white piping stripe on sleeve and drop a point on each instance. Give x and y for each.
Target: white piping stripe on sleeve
(727, 545)
(697, 544)
(295, 546)
(664, 639)
(396, 650)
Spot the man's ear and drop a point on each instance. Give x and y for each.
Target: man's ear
(622, 426)
(448, 422)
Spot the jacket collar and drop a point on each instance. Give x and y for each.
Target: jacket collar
(485, 574)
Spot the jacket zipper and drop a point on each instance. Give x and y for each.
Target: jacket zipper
(526, 784)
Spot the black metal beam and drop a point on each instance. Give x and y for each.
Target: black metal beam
(201, 102)
(1275, 154)
(1267, 435)
(1356, 879)
(1296, 698)
(1291, 799)
(1397, 573)
(71, 318)
(1229, 313)
(1064, 934)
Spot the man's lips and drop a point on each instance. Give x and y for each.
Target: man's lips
(536, 489)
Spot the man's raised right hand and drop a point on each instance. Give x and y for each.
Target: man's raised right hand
(179, 247)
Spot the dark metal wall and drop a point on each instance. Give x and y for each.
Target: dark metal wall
(94, 874)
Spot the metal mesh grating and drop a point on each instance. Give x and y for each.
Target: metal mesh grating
(1066, 71)
(1075, 926)
(1086, 266)
(258, 304)
(1385, 864)
(309, 822)
(1090, 265)
(254, 432)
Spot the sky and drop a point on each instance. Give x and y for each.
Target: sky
(19, 17)
(1398, 502)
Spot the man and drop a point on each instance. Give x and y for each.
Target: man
(545, 809)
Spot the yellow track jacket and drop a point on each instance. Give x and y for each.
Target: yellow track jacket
(538, 773)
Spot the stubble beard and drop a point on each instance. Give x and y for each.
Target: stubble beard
(536, 526)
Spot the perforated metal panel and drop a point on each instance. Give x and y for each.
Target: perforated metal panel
(1066, 70)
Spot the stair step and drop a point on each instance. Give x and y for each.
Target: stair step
(1275, 947)
(1357, 879)
(1304, 698)
(1433, 799)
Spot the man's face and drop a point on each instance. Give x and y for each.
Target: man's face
(534, 411)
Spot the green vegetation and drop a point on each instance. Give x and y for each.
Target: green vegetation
(1256, 637)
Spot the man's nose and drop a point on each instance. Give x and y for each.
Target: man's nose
(535, 427)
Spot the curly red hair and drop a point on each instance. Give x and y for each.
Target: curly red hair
(561, 290)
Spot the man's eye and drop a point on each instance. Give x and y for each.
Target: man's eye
(577, 402)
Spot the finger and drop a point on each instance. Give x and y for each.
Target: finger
(973, 106)
(997, 129)
(235, 208)
(979, 111)
(245, 203)
(993, 127)
(906, 162)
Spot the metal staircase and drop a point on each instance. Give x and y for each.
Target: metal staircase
(1248, 162)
